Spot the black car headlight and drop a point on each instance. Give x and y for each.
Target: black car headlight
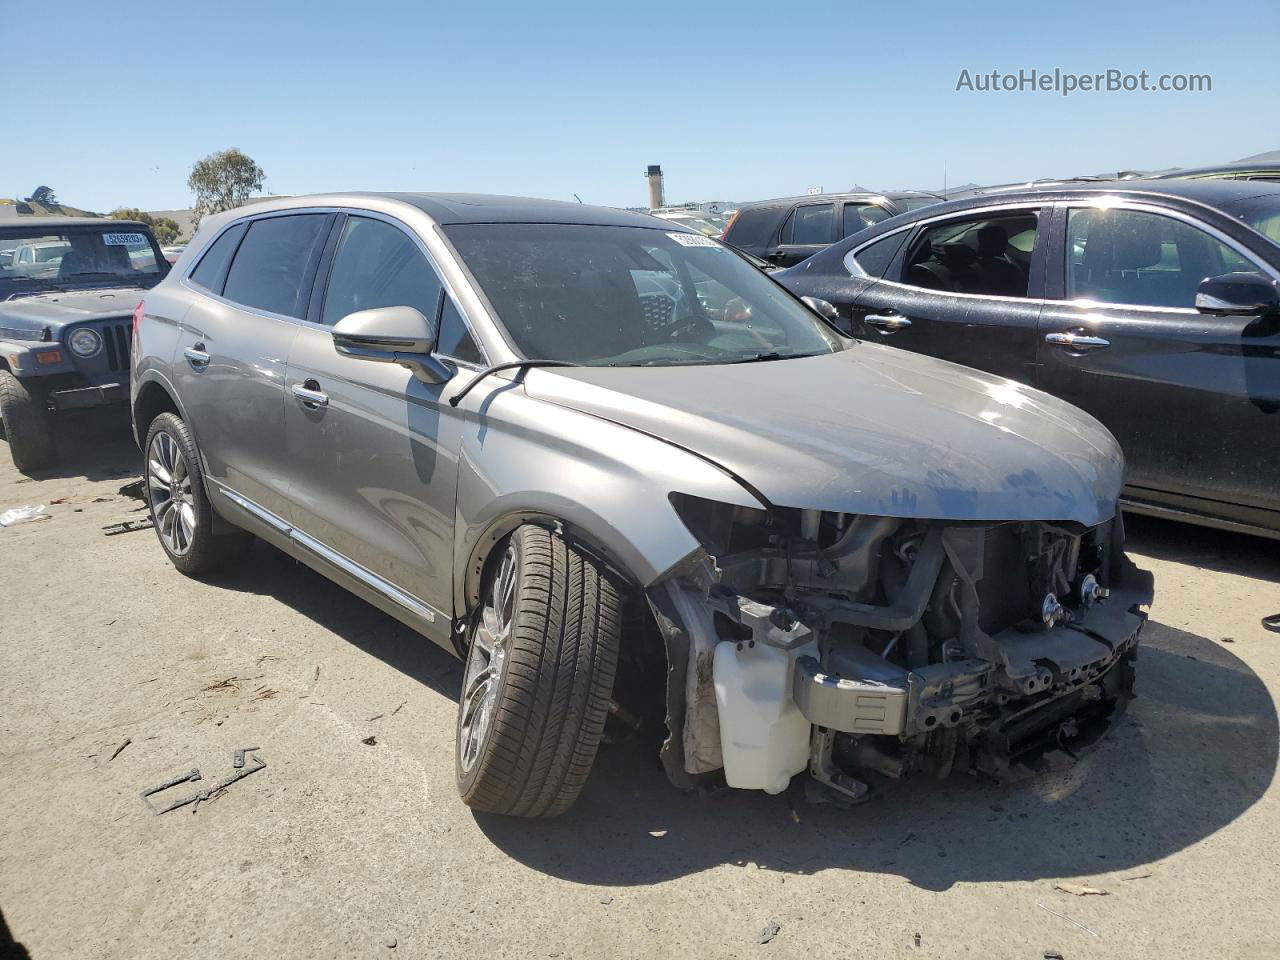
(85, 343)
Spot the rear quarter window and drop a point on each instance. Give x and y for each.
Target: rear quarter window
(211, 271)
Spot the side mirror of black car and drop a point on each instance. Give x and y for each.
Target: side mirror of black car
(1238, 294)
(822, 308)
(391, 335)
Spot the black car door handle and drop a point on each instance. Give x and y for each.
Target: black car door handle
(310, 395)
(776, 255)
(887, 322)
(1078, 342)
(196, 355)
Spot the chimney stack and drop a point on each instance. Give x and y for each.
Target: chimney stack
(656, 196)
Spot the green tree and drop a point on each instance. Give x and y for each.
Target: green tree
(43, 195)
(166, 230)
(223, 180)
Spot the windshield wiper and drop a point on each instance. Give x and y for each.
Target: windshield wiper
(511, 365)
(772, 355)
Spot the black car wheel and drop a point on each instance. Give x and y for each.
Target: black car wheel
(179, 502)
(27, 426)
(538, 678)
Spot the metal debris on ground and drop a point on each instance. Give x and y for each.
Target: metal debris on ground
(136, 489)
(916, 939)
(606, 900)
(1140, 876)
(1075, 923)
(376, 716)
(1272, 623)
(370, 741)
(769, 932)
(1052, 955)
(210, 793)
(397, 709)
(18, 515)
(237, 758)
(1080, 890)
(126, 526)
(127, 741)
(658, 833)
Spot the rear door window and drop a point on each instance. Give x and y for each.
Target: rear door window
(211, 271)
(810, 223)
(988, 255)
(269, 270)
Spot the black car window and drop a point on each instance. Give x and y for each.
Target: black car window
(873, 259)
(1142, 259)
(211, 271)
(988, 255)
(809, 223)
(859, 216)
(378, 265)
(269, 269)
(752, 227)
(454, 339)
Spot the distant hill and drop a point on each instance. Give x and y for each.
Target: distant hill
(35, 208)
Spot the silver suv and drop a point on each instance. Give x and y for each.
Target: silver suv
(631, 480)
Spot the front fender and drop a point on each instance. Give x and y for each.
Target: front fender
(525, 460)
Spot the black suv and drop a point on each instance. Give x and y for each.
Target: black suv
(788, 230)
(68, 289)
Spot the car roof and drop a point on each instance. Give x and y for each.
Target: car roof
(850, 195)
(1222, 168)
(25, 223)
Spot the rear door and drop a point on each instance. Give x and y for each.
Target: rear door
(1194, 399)
(252, 285)
(375, 462)
(967, 288)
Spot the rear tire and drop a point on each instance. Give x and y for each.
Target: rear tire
(538, 679)
(179, 503)
(27, 425)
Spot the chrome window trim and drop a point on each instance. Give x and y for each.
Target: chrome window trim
(370, 579)
(1111, 202)
(197, 289)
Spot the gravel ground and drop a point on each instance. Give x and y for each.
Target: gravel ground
(118, 673)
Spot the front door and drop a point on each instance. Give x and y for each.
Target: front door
(1194, 399)
(233, 343)
(807, 229)
(968, 288)
(374, 450)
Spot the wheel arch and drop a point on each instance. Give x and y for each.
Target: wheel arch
(152, 397)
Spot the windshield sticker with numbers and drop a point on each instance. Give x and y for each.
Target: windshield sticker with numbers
(693, 240)
(124, 239)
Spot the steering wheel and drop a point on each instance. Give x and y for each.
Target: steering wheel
(692, 326)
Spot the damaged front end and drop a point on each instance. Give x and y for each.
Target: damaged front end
(844, 643)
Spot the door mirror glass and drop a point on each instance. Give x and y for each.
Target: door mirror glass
(1237, 294)
(391, 335)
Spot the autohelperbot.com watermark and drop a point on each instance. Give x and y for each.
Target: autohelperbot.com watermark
(1065, 82)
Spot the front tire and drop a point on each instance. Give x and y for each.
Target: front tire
(538, 679)
(179, 503)
(27, 425)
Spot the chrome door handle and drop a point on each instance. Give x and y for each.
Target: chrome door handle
(888, 322)
(309, 397)
(196, 355)
(1076, 341)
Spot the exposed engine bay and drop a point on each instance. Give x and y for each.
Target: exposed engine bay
(846, 644)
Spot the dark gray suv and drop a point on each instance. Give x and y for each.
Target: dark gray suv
(534, 432)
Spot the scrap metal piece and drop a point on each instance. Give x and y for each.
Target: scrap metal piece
(220, 785)
(189, 777)
(126, 526)
(237, 758)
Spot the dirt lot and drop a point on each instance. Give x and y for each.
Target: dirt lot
(352, 842)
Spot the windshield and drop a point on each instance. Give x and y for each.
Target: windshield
(37, 258)
(632, 296)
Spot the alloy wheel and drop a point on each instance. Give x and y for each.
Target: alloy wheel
(489, 646)
(169, 487)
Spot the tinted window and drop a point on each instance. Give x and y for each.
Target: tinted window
(212, 268)
(1145, 259)
(632, 296)
(874, 258)
(378, 265)
(810, 223)
(269, 271)
(454, 339)
(988, 255)
(753, 227)
(859, 216)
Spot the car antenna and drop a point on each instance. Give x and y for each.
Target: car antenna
(510, 365)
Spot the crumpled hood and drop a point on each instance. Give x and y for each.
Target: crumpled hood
(56, 310)
(873, 430)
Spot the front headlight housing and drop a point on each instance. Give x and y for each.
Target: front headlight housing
(85, 343)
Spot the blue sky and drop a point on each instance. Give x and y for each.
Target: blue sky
(736, 100)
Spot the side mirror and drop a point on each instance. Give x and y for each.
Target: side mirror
(391, 335)
(1237, 294)
(822, 308)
